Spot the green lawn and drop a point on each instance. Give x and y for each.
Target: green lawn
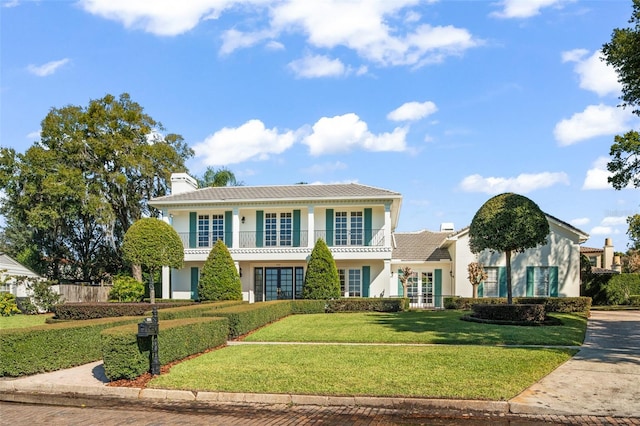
(439, 327)
(22, 321)
(467, 372)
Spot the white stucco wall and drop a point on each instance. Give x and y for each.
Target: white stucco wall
(562, 250)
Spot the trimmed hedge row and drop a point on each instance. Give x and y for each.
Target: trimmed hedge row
(127, 356)
(634, 300)
(307, 306)
(367, 304)
(551, 304)
(194, 311)
(530, 313)
(620, 287)
(39, 349)
(248, 317)
(84, 311)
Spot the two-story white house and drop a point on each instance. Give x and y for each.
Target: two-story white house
(270, 232)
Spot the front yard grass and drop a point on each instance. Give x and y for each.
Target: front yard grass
(23, 321)
(466, 372)
(427, 327)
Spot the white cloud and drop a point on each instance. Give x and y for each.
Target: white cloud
(614, 221)
(522, 183)
(314, 66)
(11, 3)
(595, 120)
(597, 175)
(580, 221)
(411, 111)
(595, 75)
(46, 69)
(249, 141)
(381, 31)
(34, 135)
(345, 132)
(524, 8)
(325, 168)
(603, 230)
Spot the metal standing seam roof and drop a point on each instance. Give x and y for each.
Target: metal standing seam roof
(420, 246)
(277, 192)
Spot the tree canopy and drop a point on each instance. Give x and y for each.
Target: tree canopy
(218, 177)
(71, 197)
(508, 223)
(152, 243)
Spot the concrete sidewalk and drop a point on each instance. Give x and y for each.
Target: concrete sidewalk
(603, 379)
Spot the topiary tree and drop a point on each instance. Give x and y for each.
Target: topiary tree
(476, 276)
(219, 279)
(508, 223)
(321, 280)
(152, 243)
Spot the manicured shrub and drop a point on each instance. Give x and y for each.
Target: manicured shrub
(510, 313)
(248, 317)
(308, 306)
(551, 304)
(634, 300)
(219, 279)
(367, 304)
(620, 287)
(321, 281)
(594, 286)
(196, 310)
(8, 305)
(127, 356)
(126, 289)
(52, 347)
(83, 311)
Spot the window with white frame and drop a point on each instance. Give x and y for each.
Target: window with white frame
(349, 228)
(203, 230)
(350, 282)
(490, 286)
(278, 229)
(217, 227)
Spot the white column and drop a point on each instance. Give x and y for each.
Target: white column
(311, 225)
(387, 224)
(166, 278)
(235, 229)
(386, 272)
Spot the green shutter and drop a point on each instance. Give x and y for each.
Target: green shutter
(502, 281)
(481, 290)
(437, 278)
(553, 281)
(296, 228)
(529, 281)
(228, 228)
(400, 289)
(195, 276)
(366, 280)
(367, 227)
(193, 228)
(329, 225)
(259, 228)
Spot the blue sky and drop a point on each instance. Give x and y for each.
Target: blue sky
(446, 102)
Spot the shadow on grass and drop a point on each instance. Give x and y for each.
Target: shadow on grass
(446, 327)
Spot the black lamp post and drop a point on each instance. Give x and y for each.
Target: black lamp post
(155, 357)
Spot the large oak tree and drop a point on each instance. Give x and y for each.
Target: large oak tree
(71, 197)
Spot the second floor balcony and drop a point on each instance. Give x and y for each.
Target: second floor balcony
(266, 239)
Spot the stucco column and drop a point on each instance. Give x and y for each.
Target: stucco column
(386, 272)
(166, 279)
(311, 225)
(387, 224)
(235, 228)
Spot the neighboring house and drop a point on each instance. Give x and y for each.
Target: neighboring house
(271, 230)
(549, 270)
(9, 268)
(602, 260)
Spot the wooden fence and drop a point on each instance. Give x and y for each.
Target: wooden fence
(83, 293)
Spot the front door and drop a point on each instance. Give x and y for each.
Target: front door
(278, 283)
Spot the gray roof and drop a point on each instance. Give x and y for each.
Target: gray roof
(278, 192)
(420, 246)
